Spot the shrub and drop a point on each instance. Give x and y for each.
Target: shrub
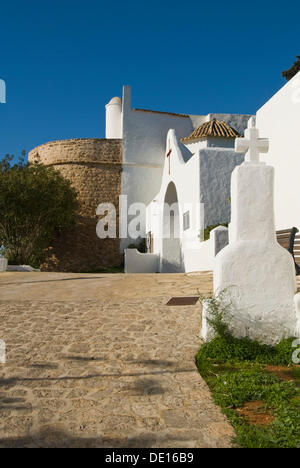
(219, 308)
(36, 202)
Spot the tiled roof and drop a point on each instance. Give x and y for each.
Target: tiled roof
(289, 74)
(213, 128)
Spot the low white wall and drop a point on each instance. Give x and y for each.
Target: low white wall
(136, 262)
(202, 258)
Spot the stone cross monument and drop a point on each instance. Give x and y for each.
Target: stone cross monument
(252, 145)
(257, 272)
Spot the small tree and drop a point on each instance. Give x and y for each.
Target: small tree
(36, 202)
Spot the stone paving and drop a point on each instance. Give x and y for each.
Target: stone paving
(101, 361)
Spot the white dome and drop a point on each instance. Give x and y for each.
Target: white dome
(113, 127)
(115, 100)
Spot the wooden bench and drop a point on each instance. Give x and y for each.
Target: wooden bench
(290, 240)
(297, 253)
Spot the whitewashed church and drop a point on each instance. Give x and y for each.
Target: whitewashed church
(180, 167)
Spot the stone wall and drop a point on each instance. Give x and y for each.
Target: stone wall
(94, 168)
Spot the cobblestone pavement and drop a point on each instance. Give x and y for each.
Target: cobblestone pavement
(101, 361)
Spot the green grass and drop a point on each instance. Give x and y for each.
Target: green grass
(235, 372)
(296, 375)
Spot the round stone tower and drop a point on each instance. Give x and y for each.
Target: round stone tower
(94, 168)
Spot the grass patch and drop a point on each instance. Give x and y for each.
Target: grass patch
(296, 375)
(263, 408)
(257, 386)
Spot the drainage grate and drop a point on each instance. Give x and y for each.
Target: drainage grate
(183, 301)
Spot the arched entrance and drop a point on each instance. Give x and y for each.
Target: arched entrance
(171, 261)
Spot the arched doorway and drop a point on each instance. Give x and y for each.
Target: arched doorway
(171, 261)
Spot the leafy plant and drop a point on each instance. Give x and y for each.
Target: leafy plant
(36, 202)
(219, 307)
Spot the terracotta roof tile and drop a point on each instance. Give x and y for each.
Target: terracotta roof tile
(213, 128)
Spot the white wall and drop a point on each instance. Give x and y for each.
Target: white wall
(200, 259)
(136, 262)
(203, 258)
(279, 120)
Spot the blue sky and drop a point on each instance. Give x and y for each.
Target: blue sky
(63, 60)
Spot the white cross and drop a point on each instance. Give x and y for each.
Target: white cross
(251, 144)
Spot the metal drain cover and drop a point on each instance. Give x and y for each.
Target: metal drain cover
(183, 301)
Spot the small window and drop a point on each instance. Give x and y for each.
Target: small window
(186, 220)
